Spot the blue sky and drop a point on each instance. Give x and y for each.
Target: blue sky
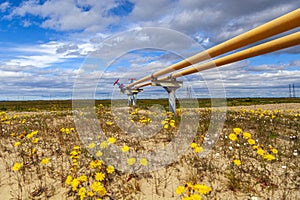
(46, 44)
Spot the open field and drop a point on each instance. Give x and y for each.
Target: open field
(60, 105)
(45, 155)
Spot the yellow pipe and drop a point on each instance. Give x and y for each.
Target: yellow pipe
(271, 46)
(274, 45)
(279, 25)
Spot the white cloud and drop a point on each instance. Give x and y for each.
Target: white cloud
(68, 15)
(4, 6)
(47, 54)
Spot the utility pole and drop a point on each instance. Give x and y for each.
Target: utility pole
(294, 93)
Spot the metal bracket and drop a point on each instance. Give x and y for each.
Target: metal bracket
(170, 85)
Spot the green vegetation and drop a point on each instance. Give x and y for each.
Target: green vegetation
(59, 105)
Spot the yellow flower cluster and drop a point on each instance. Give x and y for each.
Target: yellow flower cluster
(3, 116)
(89, 186)
(145, 120)
(192, 191)
(132, 161)
(196, 147)
(75, 155)
(96, 164)
(99, 188)
(30, 135)
(67, 130)
(168, 123)
(135, 116)
(259, 150)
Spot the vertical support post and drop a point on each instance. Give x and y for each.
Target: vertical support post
(172, 98)
(134, 97)
(170, 85)
(129, 100)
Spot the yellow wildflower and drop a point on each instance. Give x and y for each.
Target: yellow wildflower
(172, 123)
(99, 176)
(90, 194)
(275, 151)
(109, 123)
(74, 154)
(269, 157)
(232, 136)
(193, 145)
(166, 126)
(33, 150)
(144, 161)
(45, 161)
(67, 131)
(17, 144)
(69, 180)
(110, 169)
(34, 133)
(202, 189)
(76, 147)
(237, 162)
(29, 136)
(131, 161)
(246, 135)
(180, 190)
(198, 149)
(35, 140)
(111, 140)
(125, 148)
(17, 166)
(82, 193)
(251, 141)
(91, 145)
(237, 130)
(83, 178)
(74, 184)
(103, 144)
(99, 154)
(196, 197)
(98, 187)
(95, 164)
(260, 151)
